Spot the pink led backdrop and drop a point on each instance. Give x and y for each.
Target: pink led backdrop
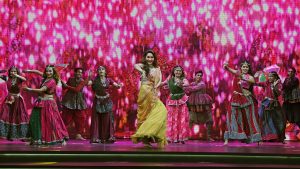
(197, 34)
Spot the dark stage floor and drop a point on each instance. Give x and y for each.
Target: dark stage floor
(124, 153)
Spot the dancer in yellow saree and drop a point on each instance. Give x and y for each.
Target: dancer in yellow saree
(151, 113)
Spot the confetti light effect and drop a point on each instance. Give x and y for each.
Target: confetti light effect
(195, 34)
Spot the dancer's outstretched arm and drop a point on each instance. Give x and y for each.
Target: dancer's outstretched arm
(40, 90)
(33, 71)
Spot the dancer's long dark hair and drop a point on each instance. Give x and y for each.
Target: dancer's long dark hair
(144, 61)
(173, 71)
(18, 73)
(275, 74)
(249, 72)
(97, 81)
(249, 65)
(55, 74)
(13, 67)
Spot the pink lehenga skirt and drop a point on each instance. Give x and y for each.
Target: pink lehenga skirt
(177, 120)
(46, 125)
(13, 118)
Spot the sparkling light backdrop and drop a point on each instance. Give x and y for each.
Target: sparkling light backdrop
(197, 34)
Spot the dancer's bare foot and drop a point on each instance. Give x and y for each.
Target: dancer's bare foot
(79, 137)
(209, 139)
(147, 145)
(225, 142)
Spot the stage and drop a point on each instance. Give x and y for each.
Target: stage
(79, 154)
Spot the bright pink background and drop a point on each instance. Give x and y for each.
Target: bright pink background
(195, 34)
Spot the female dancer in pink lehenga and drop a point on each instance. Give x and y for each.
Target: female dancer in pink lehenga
(46, 125)
(178, 114)
(13, 115)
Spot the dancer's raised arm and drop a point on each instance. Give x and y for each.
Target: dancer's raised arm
(226, 67)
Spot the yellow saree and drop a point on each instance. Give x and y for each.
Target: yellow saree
(151, 112)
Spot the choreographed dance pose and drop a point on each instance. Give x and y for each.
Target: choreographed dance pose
(102, 126)
(270, 112)
(74, 104)
(242, 116)
(46, 125)
(178, 114)
(13, 113)
(200, 104)
(151, 112)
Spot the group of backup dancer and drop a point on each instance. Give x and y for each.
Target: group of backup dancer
(187, 104)
(46, 125)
